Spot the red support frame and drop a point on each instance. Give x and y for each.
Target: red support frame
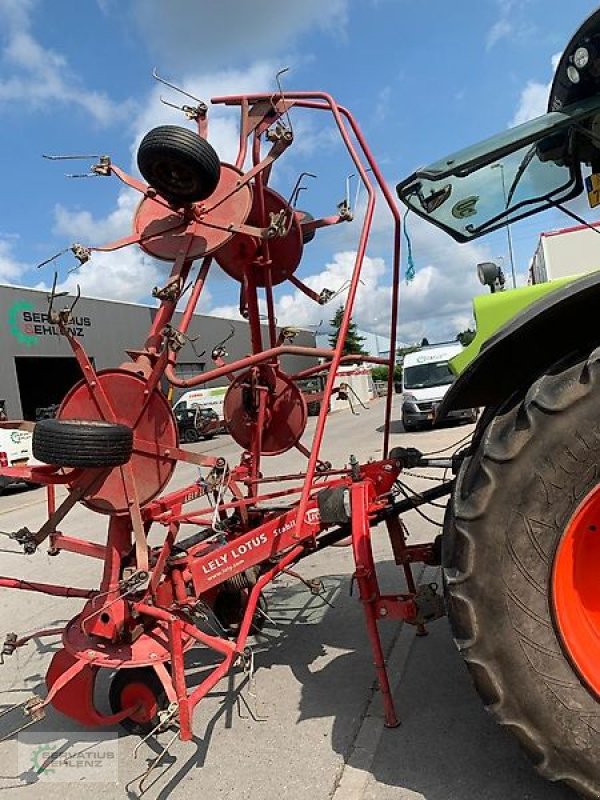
(140, 614)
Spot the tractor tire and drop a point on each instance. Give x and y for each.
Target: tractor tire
(179, 164)
(513, 508)
(81, 443)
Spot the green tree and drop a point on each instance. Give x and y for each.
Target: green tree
(353, 342)
(465, 337)
(380, 373)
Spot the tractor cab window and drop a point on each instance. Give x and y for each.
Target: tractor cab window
(511, 175)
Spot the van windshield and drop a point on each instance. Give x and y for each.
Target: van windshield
(426, 376)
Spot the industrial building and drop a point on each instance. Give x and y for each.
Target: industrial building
(37, 366)
(565, 252)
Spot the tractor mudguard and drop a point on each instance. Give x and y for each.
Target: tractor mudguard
(563, 322)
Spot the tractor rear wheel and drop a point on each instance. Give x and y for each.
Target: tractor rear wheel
(179, 164)
(521, 558)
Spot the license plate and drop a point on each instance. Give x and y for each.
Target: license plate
(592, 185)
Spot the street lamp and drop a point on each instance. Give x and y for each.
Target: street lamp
(508, 233)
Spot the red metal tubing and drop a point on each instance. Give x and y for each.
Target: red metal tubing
(305, 373)
(256, 358)
(82, 547)
(396, 270)
(47, 588)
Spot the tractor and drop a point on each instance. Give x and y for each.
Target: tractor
(520, 542)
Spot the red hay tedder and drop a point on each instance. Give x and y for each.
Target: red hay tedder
(114, 442)
(520, 547)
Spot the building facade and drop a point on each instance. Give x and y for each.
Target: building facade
(37, 366)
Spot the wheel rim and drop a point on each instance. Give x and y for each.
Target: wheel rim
(143, 698)
(576, 590)
(173, 176)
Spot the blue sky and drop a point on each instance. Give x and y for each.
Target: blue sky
(423, 79)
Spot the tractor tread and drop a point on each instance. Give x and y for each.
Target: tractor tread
(498, 561)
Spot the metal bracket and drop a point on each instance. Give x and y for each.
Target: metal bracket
(9, 646)
(430, 604)
(196, 112)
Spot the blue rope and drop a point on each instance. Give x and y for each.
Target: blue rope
(410, 268)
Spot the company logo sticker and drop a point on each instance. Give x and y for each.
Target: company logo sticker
(22, 332)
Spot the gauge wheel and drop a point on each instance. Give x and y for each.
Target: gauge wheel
(521, 555)
(179, 164)
(140, 687)
(82, 443)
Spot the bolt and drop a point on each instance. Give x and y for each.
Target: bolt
(383, 612)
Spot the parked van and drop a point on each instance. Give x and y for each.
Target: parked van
(203, 398)
(426, 377)
(15, 450)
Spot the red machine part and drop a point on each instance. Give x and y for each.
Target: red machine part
(154, 432)
(285, 412)
(243, 252)
(209, 223)
(575, 590)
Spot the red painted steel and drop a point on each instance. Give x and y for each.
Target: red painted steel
(244, 252)
(150, 595)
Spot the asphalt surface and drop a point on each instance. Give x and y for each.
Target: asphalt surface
(309, 722)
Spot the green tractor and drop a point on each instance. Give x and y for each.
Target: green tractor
(521, 541)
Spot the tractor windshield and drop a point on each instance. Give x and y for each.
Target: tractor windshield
(509, 176)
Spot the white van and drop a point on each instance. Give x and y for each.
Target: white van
(15, 450)
(203, 398)
(426, 377)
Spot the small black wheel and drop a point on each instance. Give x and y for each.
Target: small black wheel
(82, 443)
(179, 164)
(304, 216)
(409, 427)
(139, 687)
(5, 483)
(190, 435)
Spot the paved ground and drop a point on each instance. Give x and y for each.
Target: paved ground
(317, 729)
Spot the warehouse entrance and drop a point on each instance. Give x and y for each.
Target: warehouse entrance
(44, 381)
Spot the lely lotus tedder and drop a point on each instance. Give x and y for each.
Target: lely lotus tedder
(521, 541)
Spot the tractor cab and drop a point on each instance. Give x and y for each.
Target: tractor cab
(538, 165)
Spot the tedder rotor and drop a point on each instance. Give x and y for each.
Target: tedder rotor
(114, 442)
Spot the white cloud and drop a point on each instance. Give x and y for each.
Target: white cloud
(498, 31)
(81, 226)
(223, 127)
(127, 274)
(182, 33)
(10, 267)
(534, 98)
(36, 77)
(123, 275)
